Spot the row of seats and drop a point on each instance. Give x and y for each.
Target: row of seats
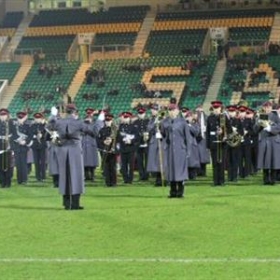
(127, 38)
(8, 70)
(48, 45)
(12, 20)
(175, 42)
(83, 16)
(199, 24)
(223, 14)
(44, 87)
(75, 29)
(9, 32)
(249, 33)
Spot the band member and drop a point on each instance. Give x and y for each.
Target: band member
(246, 144)
(155, 146)
(127, 138)
(193, 161)
(142, 150)
(89, 146)
(177, 149)
(233, 152)
(70, 155)
(268, 127)
(21, 141)
(39, 146)
(217, 128)
(6, 170)
(204, 155)
(250, 116)
(51, 138)
(107, 144)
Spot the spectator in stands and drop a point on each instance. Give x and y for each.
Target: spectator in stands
(226, 49)
(36, 57)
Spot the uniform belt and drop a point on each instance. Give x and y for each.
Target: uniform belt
(4, 137)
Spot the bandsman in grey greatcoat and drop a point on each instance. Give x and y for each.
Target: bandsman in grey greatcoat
(21, 141)
(268, 127)
(204, 154)
(193, 161)
(89, 145)
(70, 155)
(154, 152)
(177, 150)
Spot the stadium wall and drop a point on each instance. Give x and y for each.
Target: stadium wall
(16, 6)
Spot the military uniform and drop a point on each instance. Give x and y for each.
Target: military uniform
(215, 142)
(142, 149)
(233, 153)
(177, 150)
(127, 138)
(155, 149)
(108, 152)
(268, 148)
(39, 147)
(6, 169)
(21, 141)
(70, 157)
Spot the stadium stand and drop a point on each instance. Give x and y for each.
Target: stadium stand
(8, 70)
(10, 22)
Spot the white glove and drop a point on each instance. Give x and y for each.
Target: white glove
(158, 135)
(268, 128)
(234, 129)
(101, 116)
(54, 111)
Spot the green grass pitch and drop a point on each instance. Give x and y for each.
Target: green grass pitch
(135, 232)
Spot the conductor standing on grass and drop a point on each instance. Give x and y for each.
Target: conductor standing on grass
(176, 150)
(70, 156)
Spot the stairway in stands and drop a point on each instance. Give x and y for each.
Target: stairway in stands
(11, 47)
(78, 80)
(275, 30)
(15, 85)
(143, 34)
(215, 84)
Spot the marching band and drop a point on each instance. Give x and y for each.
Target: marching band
(173, 146)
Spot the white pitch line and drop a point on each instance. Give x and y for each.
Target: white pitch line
(139, 260)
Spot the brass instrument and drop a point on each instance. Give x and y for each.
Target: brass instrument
(234, 139)
(113, 137)
(21, 136)
(55, 139)
(39, 136)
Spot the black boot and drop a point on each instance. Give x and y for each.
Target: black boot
(180, 191)
(66, 202)
(173, 190)
(76, 202)
(55, 181)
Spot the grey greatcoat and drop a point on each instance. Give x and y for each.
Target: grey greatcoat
(89, 145)
(153, 164)
(204, 154)
(69, 130)
(52, 158)
(269, 144)
(193, 160)
(177, 148)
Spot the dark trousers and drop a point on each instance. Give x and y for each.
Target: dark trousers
(218, 162)
(269, 176)
(245, 161)
(39, 156)
(233, 159)
(89, 173)
(142, 159)
(70, 201)
(127, 166)
(6, 170)
(21, 165)
(110, 170)
(55, 180)
(176, 189)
